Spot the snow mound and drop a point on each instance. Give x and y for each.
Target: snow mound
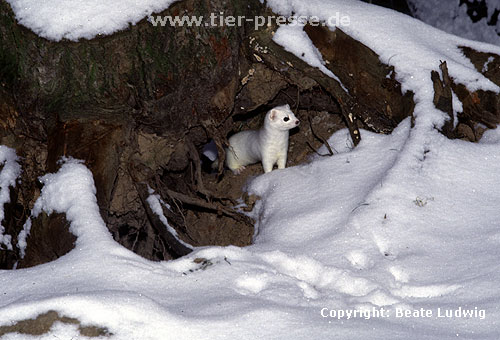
(76, 19)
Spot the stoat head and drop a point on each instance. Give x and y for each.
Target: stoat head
(281, 118)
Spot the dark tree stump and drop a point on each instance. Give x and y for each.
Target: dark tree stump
(138, 106)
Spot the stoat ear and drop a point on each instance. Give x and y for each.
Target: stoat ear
(273, 114)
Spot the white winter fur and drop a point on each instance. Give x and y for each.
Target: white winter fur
(268, 145)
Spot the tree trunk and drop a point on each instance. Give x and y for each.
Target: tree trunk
(139, 106)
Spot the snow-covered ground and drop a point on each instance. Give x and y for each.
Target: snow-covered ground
(397, 238)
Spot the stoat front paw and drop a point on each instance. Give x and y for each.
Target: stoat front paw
(239, 170)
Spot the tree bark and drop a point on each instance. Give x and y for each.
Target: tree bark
(138, 106)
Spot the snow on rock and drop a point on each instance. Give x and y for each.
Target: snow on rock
(76, 19)
(293, 38)
(388, 33)
(9, 172)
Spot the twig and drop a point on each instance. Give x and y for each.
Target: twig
(159, 185)
(207, 205)
(321, 138)
(362, 204)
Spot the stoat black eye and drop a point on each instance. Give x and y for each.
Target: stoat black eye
(286, 119)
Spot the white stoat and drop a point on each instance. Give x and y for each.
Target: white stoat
(268, 145)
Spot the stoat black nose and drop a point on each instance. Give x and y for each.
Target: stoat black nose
(297, 122)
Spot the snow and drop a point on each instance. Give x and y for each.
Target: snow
(457, 108)
(293, 38)
(449, 17)
(155, 202)
(22, 242)
(9, 172)
(76, 19)
(487, 64)
(356, 247)
(396, 238)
